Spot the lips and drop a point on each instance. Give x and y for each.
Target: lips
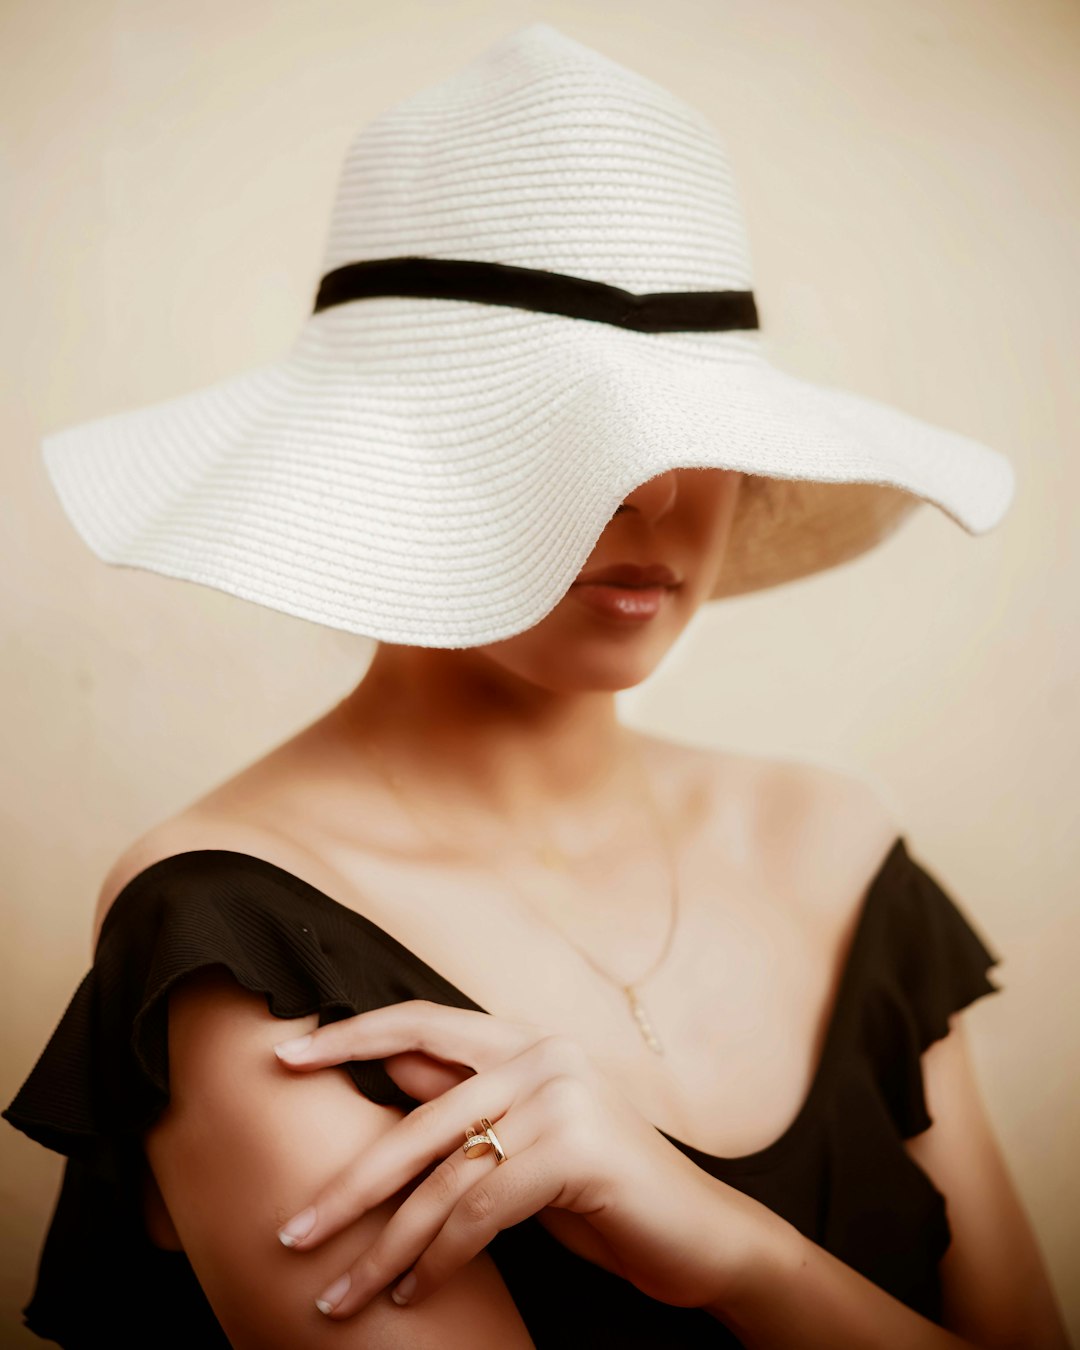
(630, 574)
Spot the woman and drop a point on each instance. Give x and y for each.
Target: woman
(655, 1045)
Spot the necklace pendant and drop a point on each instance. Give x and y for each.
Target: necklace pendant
(641, 1017)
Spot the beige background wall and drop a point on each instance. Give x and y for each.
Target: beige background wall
(911, 174)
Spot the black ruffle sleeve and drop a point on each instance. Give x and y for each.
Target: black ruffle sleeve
(937, 965)
(840, 1174)
(103, 1074)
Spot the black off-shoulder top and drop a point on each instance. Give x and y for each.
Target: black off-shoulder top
(839, 1172)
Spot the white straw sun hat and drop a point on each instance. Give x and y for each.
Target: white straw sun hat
(536, 295)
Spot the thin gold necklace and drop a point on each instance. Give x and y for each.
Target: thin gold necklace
(630, 990)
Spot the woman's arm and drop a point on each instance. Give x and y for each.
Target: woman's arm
(243, 1144)
(797, 1296)
(995, 1286)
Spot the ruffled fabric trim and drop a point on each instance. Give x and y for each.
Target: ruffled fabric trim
(936, 965)
(103, 1075)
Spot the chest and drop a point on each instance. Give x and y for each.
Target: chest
(740, 1001)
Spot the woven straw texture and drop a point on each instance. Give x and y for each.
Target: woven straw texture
(437, 471)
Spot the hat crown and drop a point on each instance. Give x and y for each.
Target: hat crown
(544, 153)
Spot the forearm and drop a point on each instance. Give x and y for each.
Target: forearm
(794, 1295)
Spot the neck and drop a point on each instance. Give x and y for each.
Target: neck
(464, 731)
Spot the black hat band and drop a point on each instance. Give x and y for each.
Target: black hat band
(535, 288)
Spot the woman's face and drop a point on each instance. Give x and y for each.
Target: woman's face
(611, 637)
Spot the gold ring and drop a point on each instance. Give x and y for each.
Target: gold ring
(489, 1130)
(476, 1145)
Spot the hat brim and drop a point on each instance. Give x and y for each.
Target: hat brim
(437, 472)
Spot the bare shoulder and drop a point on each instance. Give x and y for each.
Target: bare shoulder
(794, 827)
(823, 831)
(830, 813)
(290, 807)
(194, 828)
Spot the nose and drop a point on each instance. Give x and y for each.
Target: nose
(653, 498)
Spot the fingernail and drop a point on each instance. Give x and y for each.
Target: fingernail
(404, 1291)
(298, 1227)
(334, 1294)
(292, 1049)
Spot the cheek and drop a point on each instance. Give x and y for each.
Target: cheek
(713, 513)
(708, 530)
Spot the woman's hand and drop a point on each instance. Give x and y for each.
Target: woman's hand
(602, 1179)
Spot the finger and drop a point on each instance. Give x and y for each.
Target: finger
(433, 1129)
(423, 1078)
(457, 1035)
(511, 1192)
(427, 1134)
(416, 1223)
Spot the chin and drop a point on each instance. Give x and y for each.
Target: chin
(595, 662)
